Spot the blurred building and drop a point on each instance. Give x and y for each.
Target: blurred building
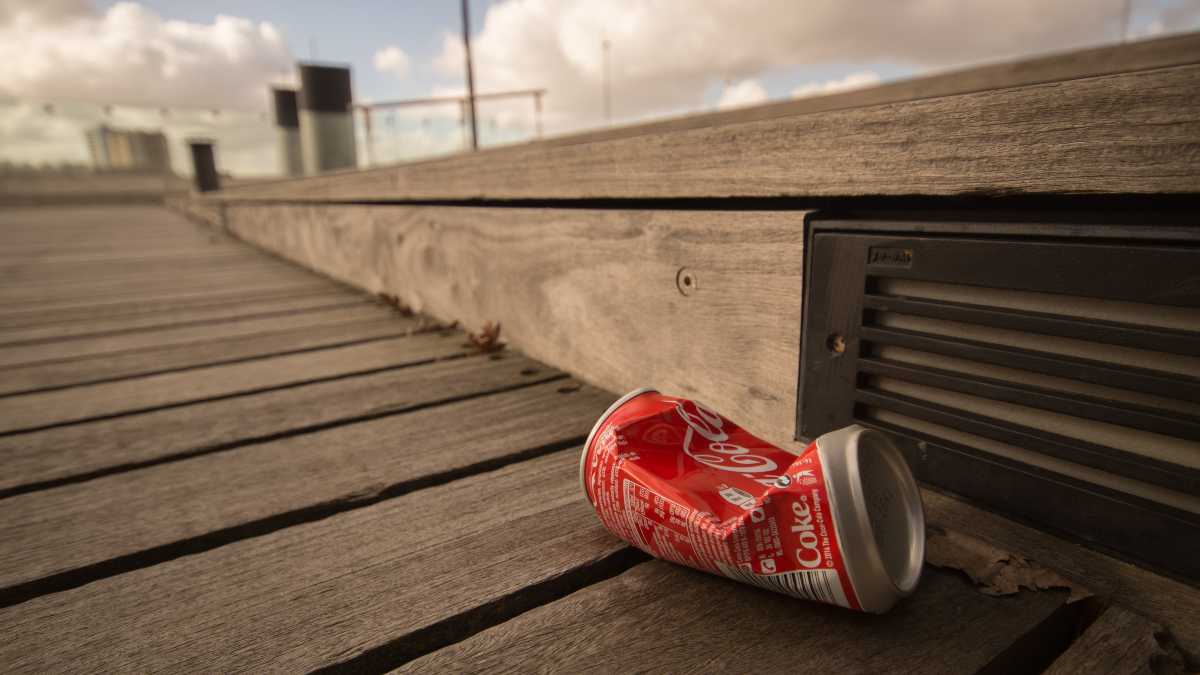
(124, 149)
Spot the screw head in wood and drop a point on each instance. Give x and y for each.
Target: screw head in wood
(685, 281)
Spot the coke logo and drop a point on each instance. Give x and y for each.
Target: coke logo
(802, 525)
(718, 454)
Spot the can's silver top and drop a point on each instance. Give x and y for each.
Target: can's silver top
(611, 409)
(878, 514)
(891, 500)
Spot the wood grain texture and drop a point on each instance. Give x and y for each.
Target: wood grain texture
(1124, 133)
(129, 265)
(197, 208)
(36, 410)
(88, 188)
(595, 291)
(188, 316)
(133, 279)
(132, 341)
(81, 449)
(323, 592)
(663, 618)
(94, 370)
(70, 309)
(1171, 603)
(68, 527)
(19, 295)
(1119, 642)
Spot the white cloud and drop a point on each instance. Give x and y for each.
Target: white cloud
(666, 54)
(746, 92)
(64, 50)
(394, 60)
(859, 80)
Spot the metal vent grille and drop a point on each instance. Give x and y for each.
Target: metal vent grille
(1053, 378)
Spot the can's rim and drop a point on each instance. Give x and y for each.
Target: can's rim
(587, 445)
(904, 578)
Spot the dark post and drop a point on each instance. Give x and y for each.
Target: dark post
(287, 131)
(470, 76)
(326, 118)
(204, 165)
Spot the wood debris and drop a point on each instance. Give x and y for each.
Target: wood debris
(396, 304)
(995, 571)
(486, 340)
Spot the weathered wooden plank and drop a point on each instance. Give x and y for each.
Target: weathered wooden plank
(663, 618)
(63, 453)
(187, 316)
(415, 570)
(74, 526)
(201, 211)
(89, 188)
(68, 310)
(1174, 604)
(1165, 52)
(19, 295)
(93, 370)
(598, 292)
(127, 269)
(124, 342)
(50, 255)
(1122, 133)
(36, 410)
(1119, 642)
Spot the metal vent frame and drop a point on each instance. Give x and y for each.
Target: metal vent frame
(1147, 259)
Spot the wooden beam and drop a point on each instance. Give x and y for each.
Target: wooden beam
(1172, 603)
(220, 351)
(1119, 642)
(238, 310)
(73, 309)
(72, 405)
(128, 341)
(603, 293)
(67, 453)
(166, 508)
(405, 575)
(1115, 133)
(660, 617)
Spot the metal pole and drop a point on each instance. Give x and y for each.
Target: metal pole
(470, 75)
(607, 86)
(462, 121)
(366, 111)
(537, 112)
(1126, 9)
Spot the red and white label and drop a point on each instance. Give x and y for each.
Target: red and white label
(684, 484)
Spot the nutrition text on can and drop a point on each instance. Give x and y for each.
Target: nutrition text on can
(841, 523)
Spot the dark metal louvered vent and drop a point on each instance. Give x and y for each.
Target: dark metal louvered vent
(1051, 374)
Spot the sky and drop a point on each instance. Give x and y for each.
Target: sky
(665, 57)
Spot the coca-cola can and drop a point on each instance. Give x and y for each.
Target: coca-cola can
(840, 523)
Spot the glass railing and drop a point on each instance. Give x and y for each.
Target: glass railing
(66, 137)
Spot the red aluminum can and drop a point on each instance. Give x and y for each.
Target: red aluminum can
(841, 523)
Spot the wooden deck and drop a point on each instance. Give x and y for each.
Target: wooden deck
(217, 461)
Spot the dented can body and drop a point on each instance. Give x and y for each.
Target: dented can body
(840, 523)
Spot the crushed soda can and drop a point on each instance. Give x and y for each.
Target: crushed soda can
(841, 523)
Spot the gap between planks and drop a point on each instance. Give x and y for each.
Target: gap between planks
(76, 534)
(77, 453)
(88, 403)
(426, 564)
